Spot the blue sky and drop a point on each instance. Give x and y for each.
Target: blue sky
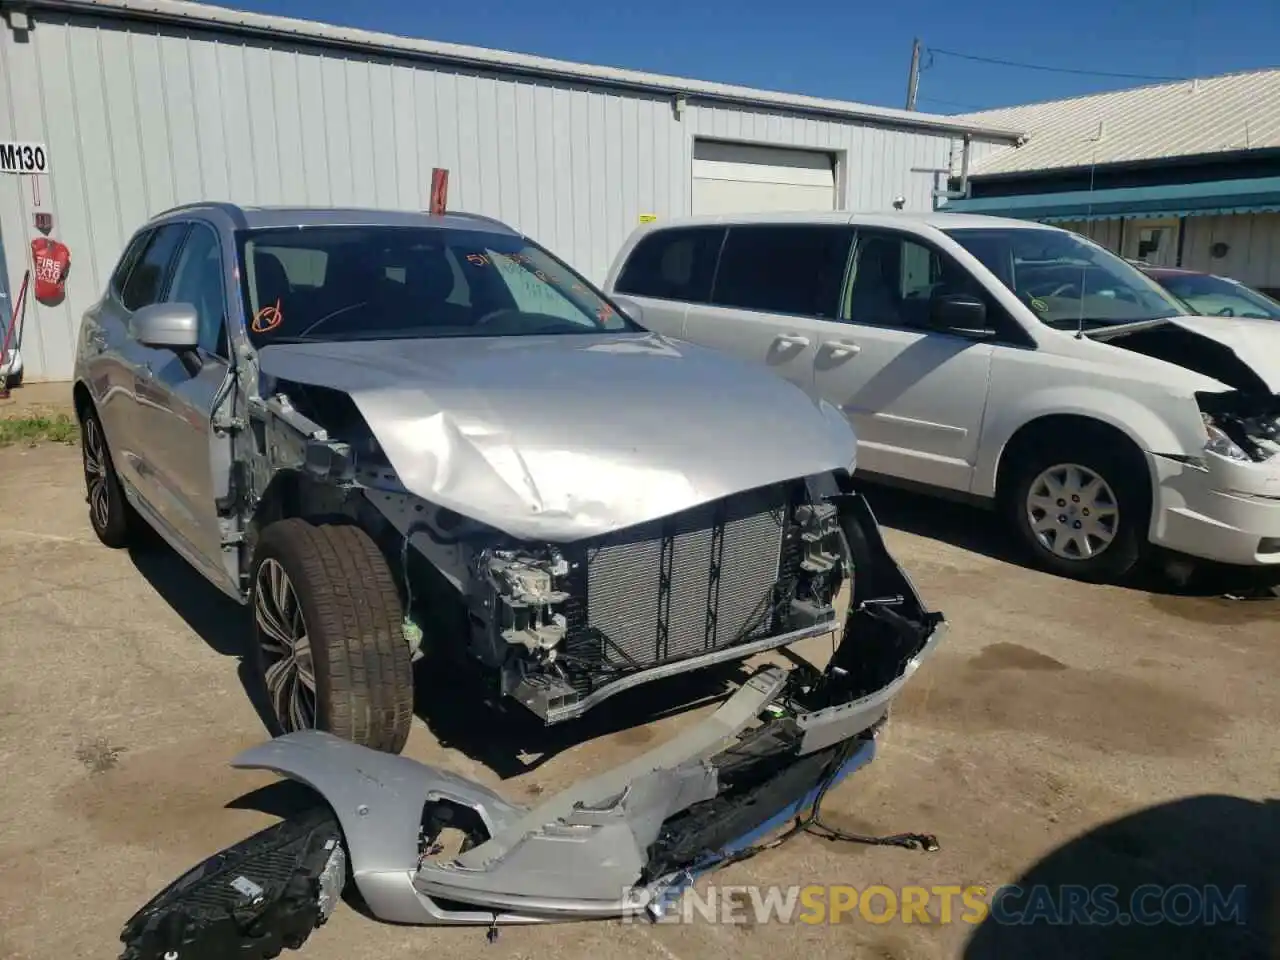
(851, 49)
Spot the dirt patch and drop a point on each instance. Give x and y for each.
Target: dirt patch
(1013, 656)
(169, 798)
(1099, 709)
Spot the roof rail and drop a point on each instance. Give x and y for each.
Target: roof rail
(230, 209)
(480, 216)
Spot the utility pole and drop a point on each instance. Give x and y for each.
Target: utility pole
(913, 81)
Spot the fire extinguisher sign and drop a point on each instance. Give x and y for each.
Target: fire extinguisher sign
(23, 157)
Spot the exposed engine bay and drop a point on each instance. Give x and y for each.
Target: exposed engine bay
(626, 842)
(1248, 414)
(560, 627)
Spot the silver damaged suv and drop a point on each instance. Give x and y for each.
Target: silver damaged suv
(393, 435)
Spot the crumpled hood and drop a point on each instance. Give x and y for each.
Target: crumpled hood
(560, 437)
(1255, 342)
(1251, 348)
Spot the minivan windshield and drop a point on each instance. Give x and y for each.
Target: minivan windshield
(362, 282)
(1067, 281)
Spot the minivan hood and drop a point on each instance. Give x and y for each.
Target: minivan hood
(561, 437)
(1239, 352)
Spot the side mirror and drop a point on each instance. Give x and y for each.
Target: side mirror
(166, 326)
(960, 313)
(632, 309)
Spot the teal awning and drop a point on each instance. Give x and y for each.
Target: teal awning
(1258, 195)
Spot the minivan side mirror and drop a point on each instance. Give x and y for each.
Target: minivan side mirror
(166, 326)
(960, 313)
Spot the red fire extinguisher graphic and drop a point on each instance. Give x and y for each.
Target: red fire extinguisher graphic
(52, 260)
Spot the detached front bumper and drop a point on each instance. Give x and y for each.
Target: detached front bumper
(1229, 513)
(629, 839)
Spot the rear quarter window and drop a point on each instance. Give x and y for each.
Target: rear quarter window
(676, 264)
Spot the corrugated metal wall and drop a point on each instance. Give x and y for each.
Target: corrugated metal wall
(1253, 242)
(140, 117)
(1109, 233)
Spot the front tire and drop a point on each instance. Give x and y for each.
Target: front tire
(109, 512)
(328, 636)
(1081, 510)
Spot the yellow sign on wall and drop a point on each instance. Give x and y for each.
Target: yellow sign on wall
(648, 217)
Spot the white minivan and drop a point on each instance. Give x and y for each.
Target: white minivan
(1003, 361)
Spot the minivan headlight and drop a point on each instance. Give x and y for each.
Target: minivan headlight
(1221, 444)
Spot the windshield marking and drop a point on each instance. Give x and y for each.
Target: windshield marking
(268, 318)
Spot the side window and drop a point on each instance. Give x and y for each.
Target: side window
(893, 279)
(145, 283)
(198, 280)
(127, 260)
(676, 264)
(783, 269)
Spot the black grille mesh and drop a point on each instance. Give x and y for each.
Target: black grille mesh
(698, 581)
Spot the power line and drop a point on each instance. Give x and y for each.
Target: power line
(951, 103)
(1037, 66)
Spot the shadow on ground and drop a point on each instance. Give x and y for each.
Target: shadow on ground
(983, 532)
(1197, 877)
(217, 619)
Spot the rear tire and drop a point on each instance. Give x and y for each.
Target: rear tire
(328, 635)
(1081, 508)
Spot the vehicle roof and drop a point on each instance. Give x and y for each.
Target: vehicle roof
(918, 222)
(264, 217)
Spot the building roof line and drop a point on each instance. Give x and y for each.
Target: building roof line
(195, 15)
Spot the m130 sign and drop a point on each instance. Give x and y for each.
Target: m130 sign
(20, 157)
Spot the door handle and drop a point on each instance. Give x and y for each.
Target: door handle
(841, 348)
(791, 340)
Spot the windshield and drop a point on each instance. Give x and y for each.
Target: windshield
(1211, 296)
(377, 282)
(1067, 281)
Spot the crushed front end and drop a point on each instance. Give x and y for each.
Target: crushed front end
(561, 627)
(629, 839)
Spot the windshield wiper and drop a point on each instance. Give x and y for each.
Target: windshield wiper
(1107, 332)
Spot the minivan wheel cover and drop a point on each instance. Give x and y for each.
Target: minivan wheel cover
(288, 669)
(95, 474)
(1072, 511)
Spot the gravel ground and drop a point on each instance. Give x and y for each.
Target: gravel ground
(1063, 733)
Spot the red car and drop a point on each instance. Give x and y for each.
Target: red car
(1209, 295)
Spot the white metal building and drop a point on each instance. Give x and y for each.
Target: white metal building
(1183, 173)
(140, 105)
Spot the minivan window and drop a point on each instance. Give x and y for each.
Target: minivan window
(783, 268)
(673, 264)
(379, 282)
(146, 279)
(894, 280)
(1065, 279)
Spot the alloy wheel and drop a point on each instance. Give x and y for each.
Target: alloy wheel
(95, 474)
(289, 671)
(1072, 511)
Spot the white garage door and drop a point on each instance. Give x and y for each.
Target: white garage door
(735, 178)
